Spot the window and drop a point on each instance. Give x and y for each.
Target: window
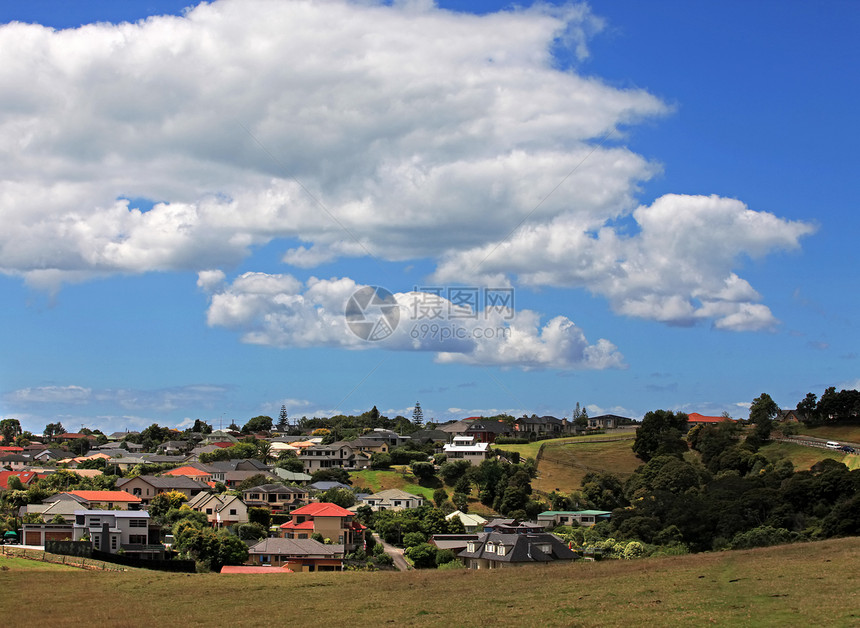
(470, 547)
(137, 523)
(208, 511)
(113, 542)
(491, 548)
(137, 539)
(232, 511)
(502, 550)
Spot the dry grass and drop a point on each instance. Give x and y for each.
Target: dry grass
(563, 465)
(849, 433)
(798, 585)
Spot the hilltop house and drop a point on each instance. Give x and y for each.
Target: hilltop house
(221, 509)
(393, 499)
(148, 486)
(495, 550)
(275, 497)
(584, 518)
(465, 448)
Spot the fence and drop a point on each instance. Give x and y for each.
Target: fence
(85, 549)
(81, 562)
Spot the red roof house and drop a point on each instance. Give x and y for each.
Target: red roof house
(694, 418)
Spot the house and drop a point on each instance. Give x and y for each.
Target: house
(117, 436)
(542, 426)
(585, 518)
(790, 416)
(369, 445)
(393, 499)
(327, 485)
(115, 530)
(25, 477)
(15, 462)
(465, 448)
(38, 533)
(473, 523)
(232, 479)
(190, 472)
(496, 550)
(109, 500)
(512, 526)
(175, 447)
(327, 519)
(220, 509)
(148, 486)
(607, 421)
(694, 418)
(45, 454)
(275, 497)
(297, 554)
(292, 477)
(392, 438)
(337, 455)
(454, 542)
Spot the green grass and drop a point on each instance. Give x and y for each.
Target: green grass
(810, 584)
(850, 433)
(804, 457)
(15, 564)
(376, 481)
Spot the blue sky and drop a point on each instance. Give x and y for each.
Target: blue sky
(667, 190)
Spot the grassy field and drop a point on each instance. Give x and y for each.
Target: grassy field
(797, 585)
(375, 481)
(804, 457)
(11, 563)
(563, 465)
(849, 433)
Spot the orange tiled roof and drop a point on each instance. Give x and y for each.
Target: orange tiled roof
(322, 509)
(306, 525)
(695, 417)
(106, 496)
(189, 471)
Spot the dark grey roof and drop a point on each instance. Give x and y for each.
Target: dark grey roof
(167, 482)
(496, 427)
(521, 548)
(276, 488)
(324, 486)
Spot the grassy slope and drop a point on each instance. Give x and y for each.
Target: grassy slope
(849, 433)
(376, 481)
(806, 584)
(562, 466)
(804, 457)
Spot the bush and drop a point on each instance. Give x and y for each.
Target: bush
(260, 516)
(510, 440)
(383, 560)
(440, 496)
(423, 556)
(413, 538)
(423, 470)
(762, 536)
(452, 564)
(445, 556)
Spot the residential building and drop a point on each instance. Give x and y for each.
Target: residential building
(275, 497)
(220, 509)
(190, 472)
(327, 519)
(584, 518)
(471, 522)
(297, 554)
(694, 418)
(465, 448)
(392, 438)
(542, 426)
(148, 486)
(393, 499)
(495, 550)
(115, 530)
(607, 421)
(109, 500)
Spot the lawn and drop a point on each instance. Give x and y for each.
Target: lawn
(13, 564)
(815, 584)
(375, 481)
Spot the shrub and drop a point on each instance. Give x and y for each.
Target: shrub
(423, 556)
(445, 556)
(413, 538)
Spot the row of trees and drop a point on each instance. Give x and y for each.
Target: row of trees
(832, 407)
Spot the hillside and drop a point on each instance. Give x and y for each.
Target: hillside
(805, 584)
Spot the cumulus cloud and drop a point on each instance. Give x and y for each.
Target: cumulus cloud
(676, 268)
(279, 310)
(401, 131)
(333, 122)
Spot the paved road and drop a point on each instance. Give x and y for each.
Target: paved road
(395, 552)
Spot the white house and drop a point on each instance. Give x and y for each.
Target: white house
(465, 448)
(393, 499)
(115, 530)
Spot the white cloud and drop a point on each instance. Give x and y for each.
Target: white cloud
(404, 126)
(51, 394)
(400, 131)
(164, 399)
(280, 311)
(676, 268)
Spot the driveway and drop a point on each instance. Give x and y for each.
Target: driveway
(395, 552)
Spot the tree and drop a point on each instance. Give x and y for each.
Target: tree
(260, 516)
(258, 479)
(424, 471)
(440, 496)
(10, 429)
(54, 429)
(418, 415)
(423, 556)
(264, 448)
(762, 412)
(807, 409)
(661, 433)
(201, 427)
(258, 424)
(332, 474)
(163, 502)
(283, 423)
(343, 497)
(580, 417)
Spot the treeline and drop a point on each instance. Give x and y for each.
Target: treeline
(730, 496)
(833, 407)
